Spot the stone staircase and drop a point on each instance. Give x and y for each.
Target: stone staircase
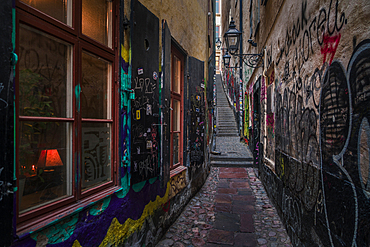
(233, 153)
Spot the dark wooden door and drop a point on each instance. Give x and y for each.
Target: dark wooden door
(145, 83)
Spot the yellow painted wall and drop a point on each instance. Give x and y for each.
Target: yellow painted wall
(187, 21)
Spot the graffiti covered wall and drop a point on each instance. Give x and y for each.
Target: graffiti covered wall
(319, 181)
(138, 210)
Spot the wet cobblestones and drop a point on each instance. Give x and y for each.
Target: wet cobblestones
(231, 209)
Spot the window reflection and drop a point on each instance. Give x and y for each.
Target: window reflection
(97, 20)
(44, 74)
(95, 87)
(58, 9)
(44, 163)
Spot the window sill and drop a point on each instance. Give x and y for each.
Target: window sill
(54, 217)
(177, 170)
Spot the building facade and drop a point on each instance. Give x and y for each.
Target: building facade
(306, 114)
(106, 118)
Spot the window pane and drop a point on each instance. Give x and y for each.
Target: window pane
(45, 77)
(176, 148)
(95, 87)
(176, 115)
(176, 75)
(96, 151)
(58, 9)
(44, 163)
(97, 20)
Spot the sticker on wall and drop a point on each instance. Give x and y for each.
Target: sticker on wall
(137, 114)
(197, 109)
(148, 109)
(140, 71)
(202, 85)
(148, 144)
(155, 76)
(198, 97)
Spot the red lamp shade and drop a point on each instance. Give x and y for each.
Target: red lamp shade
(49, 158)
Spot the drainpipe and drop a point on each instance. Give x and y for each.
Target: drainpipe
(241, 71)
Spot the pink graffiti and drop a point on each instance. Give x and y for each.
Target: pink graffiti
(270, 120)
(330, 45)
(272, 77)
(263, 89)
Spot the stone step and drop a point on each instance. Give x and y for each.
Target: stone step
(226, 122)
(226, 134)
(222, 132)
(226, 127)
(226, 157)
(231, 164)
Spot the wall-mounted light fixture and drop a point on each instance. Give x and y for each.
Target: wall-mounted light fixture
(232, 38)
(218, 43)
(226, 59)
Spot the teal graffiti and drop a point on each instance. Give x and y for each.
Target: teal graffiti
(139, 186)
(58, 232)
(77, 93)
(124, 183)
(152, 180)
(100, 207)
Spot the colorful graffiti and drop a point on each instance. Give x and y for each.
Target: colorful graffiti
(322, 134)
(111, 221)
(246, 115)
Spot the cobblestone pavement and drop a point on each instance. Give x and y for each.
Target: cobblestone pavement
(231, 209)
(232, 146)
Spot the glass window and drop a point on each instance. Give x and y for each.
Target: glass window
(176, 107)
(44, 163)
(96, 145)
(97, 20)
(65, 109)
(176, 115)
(45, 74)
(58, 9)
(95, 87)
(45, 80)
(217, 6)
(176, 75)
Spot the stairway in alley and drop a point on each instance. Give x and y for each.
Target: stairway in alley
(233, 152)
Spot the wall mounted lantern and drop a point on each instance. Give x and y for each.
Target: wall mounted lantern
(226, 59)
(218, 43)
(232, 38)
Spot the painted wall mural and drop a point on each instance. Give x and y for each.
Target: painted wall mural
(110, 221)
(321, 131)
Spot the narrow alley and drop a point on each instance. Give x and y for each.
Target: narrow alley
(141, 123)
(232, 208)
